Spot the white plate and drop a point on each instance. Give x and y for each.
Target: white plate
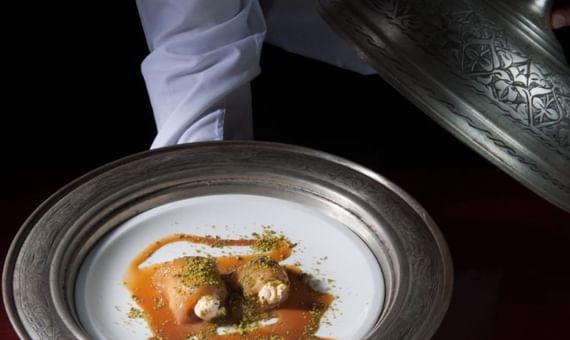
(317, 199)
(327, 249)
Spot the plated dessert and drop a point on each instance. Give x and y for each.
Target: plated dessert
(250, 296)
(64, 275)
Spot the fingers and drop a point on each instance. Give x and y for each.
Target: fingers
(561, 17)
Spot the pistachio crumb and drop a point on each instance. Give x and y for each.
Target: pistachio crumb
(135, 313)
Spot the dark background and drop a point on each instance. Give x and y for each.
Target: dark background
(74, 99)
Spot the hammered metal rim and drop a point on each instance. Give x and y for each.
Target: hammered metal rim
(44, 258)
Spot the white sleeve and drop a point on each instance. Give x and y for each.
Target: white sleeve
(203, 54)
(297, 27)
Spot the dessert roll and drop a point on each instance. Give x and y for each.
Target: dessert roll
(193, 287)
(264, 281)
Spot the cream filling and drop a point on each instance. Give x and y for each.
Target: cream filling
(272, 292)
(209, 307)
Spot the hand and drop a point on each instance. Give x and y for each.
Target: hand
(560, 16)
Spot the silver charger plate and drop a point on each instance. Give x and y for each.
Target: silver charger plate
(490, 72)
(43, 263)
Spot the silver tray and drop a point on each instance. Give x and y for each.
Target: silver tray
(44, 258)
(490, 72)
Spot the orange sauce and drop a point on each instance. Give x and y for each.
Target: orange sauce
(297, 318)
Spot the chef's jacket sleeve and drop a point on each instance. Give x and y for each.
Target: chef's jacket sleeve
(203, 54)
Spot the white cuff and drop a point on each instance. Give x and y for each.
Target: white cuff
(203, 55)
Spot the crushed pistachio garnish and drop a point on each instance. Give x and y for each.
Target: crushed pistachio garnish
(253, 279)
(250, 321)
(246, 315)
(261, 262)
(256, 265)
(315, 315)
(203, 334)
(267, 240)
(135, 313)
(198, 271)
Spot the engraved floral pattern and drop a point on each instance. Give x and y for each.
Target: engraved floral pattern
(531, 95)
(525, 91)
(506, 77)
(400, 15)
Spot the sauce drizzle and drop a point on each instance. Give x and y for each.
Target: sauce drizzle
(297, 318)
